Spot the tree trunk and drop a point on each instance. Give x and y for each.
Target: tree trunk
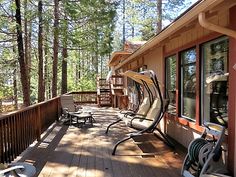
(26, 40)
(123, 11)
(1, 109)
(55, 48)
(101, 61)
(64, 57)
(64, 70)
(41, 88)
(47, 76)
(77, 69)
(21, 57)
(29, 51)
(15, 83)
(82, 63)
(15, 89)
(159, 16)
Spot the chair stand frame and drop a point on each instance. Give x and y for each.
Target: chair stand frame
(156, 120)
(125, 139)
(164, 137)
(113, 123)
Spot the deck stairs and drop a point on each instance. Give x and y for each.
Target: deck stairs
(117, 89)
(104, 96)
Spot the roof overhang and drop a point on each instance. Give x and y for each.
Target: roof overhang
(118, 56)
(137, 77)
(183, 20)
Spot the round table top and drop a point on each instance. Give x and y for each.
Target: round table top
(81, 115)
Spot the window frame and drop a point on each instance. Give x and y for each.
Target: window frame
(181, 80)
(202, 74)
(173, 56)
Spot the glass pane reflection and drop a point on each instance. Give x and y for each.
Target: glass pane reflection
(171, 82)
(188, 84)
(215, 76)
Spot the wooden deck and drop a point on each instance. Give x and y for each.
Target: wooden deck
(86, 152)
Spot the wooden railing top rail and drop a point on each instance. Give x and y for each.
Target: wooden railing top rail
(83, 92)
(3, 115)
(85, 97)
(20, 128)
(26, 108)
(117, 76)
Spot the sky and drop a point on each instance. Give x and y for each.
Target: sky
(118, 29)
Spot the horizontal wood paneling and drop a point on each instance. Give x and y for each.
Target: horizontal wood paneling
(189, 35)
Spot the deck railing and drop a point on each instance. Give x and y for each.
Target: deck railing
(20, 128)
(85, 97)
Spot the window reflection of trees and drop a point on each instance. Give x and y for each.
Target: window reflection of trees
(188, 86)
(171, 82)
(215, 96)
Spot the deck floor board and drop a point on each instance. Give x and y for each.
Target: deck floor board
(85, 151)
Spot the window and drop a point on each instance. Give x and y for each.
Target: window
(215, 81)
(188, 84)
(171, 82)
(143, 68)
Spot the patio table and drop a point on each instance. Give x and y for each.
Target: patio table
(85, 116)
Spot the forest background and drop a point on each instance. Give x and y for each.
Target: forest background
(52, 47)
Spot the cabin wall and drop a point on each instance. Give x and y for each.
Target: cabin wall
(154, 62)
(187, 37)
(232, 88)
(190, 35)
(195, 32)
(180, 129)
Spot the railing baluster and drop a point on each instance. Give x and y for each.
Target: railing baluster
(14, 136)
(26, 140)
(26, 143)
(20, 128)
(8, 140)
(1, 141)
(11, 138)
(21, 132)
(38, 123)
(85, 97)
(5, 140)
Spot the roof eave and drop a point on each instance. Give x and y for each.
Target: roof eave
(115, 55)
(187, 17)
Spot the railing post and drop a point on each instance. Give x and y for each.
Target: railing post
(58, 108)
(38, 126)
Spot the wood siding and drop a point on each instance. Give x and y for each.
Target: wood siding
(232, 99)
(189, 35)
(193, 35)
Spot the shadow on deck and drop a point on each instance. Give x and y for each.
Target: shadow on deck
(86, 151)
